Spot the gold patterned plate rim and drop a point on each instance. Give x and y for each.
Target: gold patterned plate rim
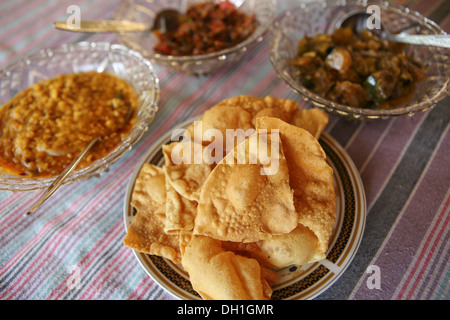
(296, 283)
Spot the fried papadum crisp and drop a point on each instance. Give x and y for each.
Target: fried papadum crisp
(149, 192)
(185, 238)
(146, 231)
(185, 167)
(180, 211)
(263, 106)
(313, 120)
(238, 114)
(247, 196)
(217, 120)
(310, 177)
(297, 247)
(217, 274)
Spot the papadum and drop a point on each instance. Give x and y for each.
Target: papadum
(247, 198)
(218, 274)
(259, 204)
(311, 178)
(146, 230)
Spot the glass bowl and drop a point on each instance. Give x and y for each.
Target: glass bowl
(145, 11)
(308, 19)
(82, 57)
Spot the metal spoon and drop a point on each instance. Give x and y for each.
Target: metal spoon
(165, 21)
(65, 173)
(357, 21)
(103, 26)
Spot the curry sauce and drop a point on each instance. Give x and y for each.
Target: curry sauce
(44, 127)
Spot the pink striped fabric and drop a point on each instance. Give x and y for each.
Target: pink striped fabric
(72, 247)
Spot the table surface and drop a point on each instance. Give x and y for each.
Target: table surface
(403, 163)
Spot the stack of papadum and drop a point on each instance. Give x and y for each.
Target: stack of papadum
(233, 222)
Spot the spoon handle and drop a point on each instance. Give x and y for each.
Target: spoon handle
(57, 182)
(103, 26)
(427, 40)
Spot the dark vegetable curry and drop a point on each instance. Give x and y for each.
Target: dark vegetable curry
(206, 27)
(361, 71)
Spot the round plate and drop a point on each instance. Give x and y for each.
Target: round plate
(302, 282)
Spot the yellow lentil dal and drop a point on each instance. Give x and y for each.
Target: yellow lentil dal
(45, 126)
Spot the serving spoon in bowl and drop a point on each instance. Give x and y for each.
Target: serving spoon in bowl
(165, 21)
(75, 162)
(62, 176)
(357, 21)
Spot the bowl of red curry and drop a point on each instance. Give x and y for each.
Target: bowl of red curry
(359, 76)
(55, 101)
(207, 35)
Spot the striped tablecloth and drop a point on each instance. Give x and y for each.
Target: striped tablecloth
(403, 163)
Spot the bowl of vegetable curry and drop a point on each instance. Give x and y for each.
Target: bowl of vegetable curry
(358, 75)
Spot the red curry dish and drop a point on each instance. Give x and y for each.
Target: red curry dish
(361, 71)
(206, 27)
